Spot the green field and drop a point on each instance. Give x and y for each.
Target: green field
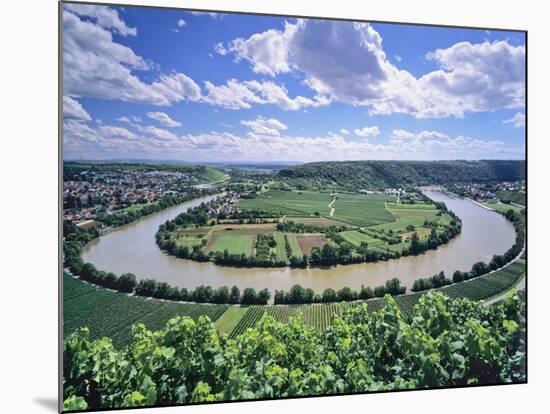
(362, 210)
(354, 209)
(297, 203)
(280, 249)
(294, 246)
(502, 207)
(230, 318)
(112, 314)
(512, 196)
(400, 225)
(237, 244)
(356, 237)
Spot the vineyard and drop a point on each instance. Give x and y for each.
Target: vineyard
(109, 313)
(318, 315)
(188, 361)
(487, 286)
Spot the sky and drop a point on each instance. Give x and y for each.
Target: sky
(163, 84)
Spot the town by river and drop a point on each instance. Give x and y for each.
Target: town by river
(132, 248)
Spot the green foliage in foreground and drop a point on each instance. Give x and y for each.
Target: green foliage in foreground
(447, 342)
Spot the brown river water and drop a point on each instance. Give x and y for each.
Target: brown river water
(132, 248)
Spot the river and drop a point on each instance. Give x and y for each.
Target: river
(132, 248)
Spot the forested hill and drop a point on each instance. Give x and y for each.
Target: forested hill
(384, 174)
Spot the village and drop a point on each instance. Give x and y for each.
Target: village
(93, 192)
(492, 193)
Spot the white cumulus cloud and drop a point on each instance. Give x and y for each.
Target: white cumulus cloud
(346, 61)
(366, 132)
(263, 126)
(518, 120)
(164, 119)
(97, 66)
(72, 109)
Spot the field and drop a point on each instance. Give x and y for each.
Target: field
(294, 246)
(234, 244)
(281, 245)
(512, 196)
(354, 209)
(503, 208)
(230, 318)
(296, 203)
(362, 210)
(356, 238)
(112, 314)
(308, 242)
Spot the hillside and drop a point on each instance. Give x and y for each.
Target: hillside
(383, 174)
(202, 173)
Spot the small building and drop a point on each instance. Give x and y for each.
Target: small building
(87, 224)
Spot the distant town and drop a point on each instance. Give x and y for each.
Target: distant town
(92, 192)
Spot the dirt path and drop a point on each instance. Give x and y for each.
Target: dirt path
(331, 208)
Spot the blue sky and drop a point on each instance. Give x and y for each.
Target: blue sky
(173, 85)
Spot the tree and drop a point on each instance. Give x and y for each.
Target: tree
(329, 295)
(203, 294)
(393, 287)
(416, 246)
(221, 295)
(110, 280)
(296, 294)
(479, 269)
(366, 293)
(363, 249)
(379, 291)
(263, 296)
(88, 272)
(184, 294)
(308, 295)
(249, 296)
(146, 287)
(279, 297)
(162, 290)
(235, 295)
(346, 294)
(458, 276)
(126, 282)
(328, 255)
